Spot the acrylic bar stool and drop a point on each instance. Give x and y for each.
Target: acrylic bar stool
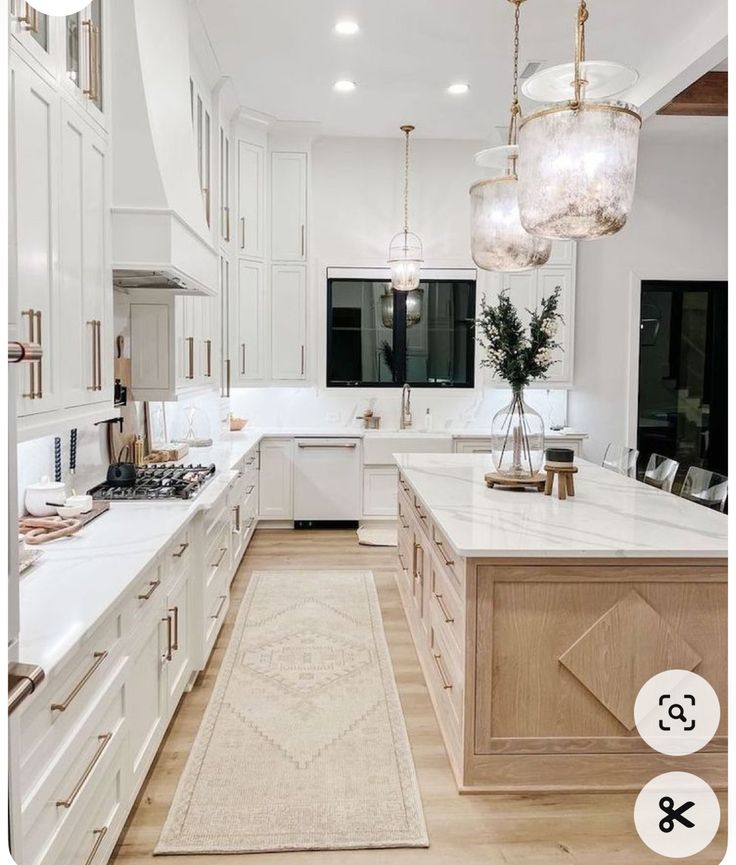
(661, 472)
(621, 459)
(706, 488)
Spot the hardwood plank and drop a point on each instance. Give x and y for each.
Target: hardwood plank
(545, 829)
(706, 97)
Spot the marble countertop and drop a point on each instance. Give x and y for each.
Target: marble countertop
(611, 515)
(81, 577)
(359, 432)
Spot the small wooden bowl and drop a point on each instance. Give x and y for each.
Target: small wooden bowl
(237, 424)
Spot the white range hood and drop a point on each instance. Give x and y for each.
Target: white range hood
(160, 239)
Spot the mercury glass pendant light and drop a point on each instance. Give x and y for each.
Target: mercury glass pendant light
(405, 252)
(414, 300)
(498, 241)
(578, 157)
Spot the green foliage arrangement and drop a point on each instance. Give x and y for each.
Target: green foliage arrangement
(513, 354)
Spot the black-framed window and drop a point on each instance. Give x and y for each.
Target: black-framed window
(377, 337)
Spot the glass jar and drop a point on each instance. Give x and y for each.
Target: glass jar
(517, 440)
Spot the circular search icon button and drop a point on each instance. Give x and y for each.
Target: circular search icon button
(677, 712)
(677, 815)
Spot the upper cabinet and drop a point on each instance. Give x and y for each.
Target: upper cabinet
(33, 30)
(288, 207)
(251, 201)
(527, 289)
(202, 121)
(226, 217)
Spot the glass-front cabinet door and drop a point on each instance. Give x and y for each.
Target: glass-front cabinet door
(32, 29)
(83, 58)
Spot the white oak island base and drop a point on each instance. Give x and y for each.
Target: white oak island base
(533, 663)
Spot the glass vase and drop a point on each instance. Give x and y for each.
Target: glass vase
(517, 440)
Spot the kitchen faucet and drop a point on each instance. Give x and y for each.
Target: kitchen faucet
(406, 407)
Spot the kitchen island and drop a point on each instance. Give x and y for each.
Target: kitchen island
(536, 621)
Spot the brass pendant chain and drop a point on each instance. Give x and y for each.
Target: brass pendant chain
(580, 82)
(515, 107)
(407, 130)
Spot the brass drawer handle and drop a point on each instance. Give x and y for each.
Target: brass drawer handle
(62, 707)
(100, 833)
(402, 562)
(236, 511)
(31, 313)
(208, 353)
(441, 548)
(401, 520)
(104, 741)
(250, 489)
(93, 90)
(148, 595)
(182, 549)
(95, 372)
(175, 642)
(419, 511)
(223, 551)
(446, 683)
(223, 598)
(169, 639)
(190, 342)
(242, 358)
(242, 232)
(443, 606)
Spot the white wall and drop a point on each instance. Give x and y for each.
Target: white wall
(677, 230)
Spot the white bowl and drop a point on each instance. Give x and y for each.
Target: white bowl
(83, 502)
(69, 513)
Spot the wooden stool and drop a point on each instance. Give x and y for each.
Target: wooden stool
(536, 483)
(565, 481)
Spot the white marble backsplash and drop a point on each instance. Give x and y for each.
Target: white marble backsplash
(339, 408)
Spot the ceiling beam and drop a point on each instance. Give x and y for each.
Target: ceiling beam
(706, 97)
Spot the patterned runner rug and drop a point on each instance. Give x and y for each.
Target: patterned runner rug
(303, 745)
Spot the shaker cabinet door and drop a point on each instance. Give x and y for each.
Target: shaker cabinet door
(251, 200)
(288, 322)
(289, 206)
(248, 320)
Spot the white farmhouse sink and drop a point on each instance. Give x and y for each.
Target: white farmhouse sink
(379, 447)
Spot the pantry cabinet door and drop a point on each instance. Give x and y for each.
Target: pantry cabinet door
(288, 322)
(289, 206)
(34, 148)
(248, 323)
(226, 215)
(251, 200)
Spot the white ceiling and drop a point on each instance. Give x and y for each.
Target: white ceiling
(284, 57)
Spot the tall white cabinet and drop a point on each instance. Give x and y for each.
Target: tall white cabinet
(60, 270)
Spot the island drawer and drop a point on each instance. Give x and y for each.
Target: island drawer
(448, 681)
(449, 609)
(453, 565)
(217, 561)
(179, 553)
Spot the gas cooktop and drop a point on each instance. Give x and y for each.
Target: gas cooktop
(157, 482)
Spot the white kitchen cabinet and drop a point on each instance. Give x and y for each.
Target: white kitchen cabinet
(380, 488)
(178, 640)
(226, 327)
(34, 175)
(247, 323)
(202, 124)
(288, 322)
(251, 200)
(526, 290)
(574, 441)
(226, 220)
(276, 483)
(35, 32)
(288, 206)
(86, 312)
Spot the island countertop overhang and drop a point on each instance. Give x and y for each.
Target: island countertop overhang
(611, 516)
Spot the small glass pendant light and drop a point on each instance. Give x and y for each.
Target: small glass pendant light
(578, 158)
(414, 301)
(405, 253)
(498, 240)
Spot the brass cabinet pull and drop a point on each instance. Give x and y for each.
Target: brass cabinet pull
(30, 19)
(182, 549)
(445, 612)
(31, 313)
(93, 88)
(169, 646)
(206, 201)
(175, 642)
(104, 741)
(223, 598)
(418, 548)
(100, 833)
(304, 242)
(401, 520)
(190, 343)
(223, 551)
(149, 594)
(93, 325)
(402, 562)
(303, 363)
(39, 340)
(441, 548)
(446, 683)
(226, 224)
(62, 707)
(227, 377)
(99, 355)
(236, 511)
(419, 511)
(208, 353)
(242, 358)
(242, 232)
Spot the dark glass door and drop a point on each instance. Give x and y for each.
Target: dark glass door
(683, 387)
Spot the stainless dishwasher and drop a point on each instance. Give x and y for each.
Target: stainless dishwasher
(327, 481)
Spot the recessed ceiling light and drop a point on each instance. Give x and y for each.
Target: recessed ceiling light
(346, 28)
(344, 86)
(458, 89)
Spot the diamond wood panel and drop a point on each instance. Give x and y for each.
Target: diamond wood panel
(619, 653)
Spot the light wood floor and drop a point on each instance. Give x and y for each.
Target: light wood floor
(591, 829)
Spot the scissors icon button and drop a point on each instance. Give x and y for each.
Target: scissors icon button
(672, 814)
